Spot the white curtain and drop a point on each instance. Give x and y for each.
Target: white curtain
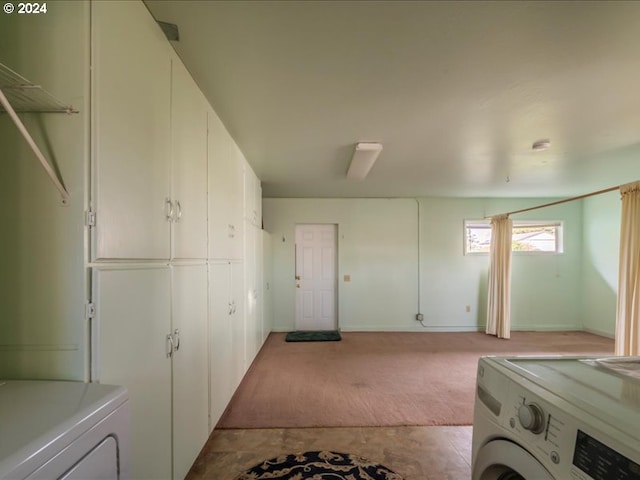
(499, 299)
(628, 318)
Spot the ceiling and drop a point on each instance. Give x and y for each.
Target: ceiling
(456, 92)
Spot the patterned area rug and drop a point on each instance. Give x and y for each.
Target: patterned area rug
(318, 466)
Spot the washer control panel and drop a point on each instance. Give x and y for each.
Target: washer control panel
(567, 446)
(571, 442)
(531, 417)
(540, 426)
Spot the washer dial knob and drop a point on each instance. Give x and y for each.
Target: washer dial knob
(531, 417)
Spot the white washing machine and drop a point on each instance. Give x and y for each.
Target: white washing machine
(63, 430)
(557, 418)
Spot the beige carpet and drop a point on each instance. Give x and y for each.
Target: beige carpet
(380, 378)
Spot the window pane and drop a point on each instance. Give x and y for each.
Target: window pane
(540, 237)
(478, 238)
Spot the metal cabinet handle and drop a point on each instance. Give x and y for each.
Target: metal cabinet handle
(176, 337)
(168, 209)
(178, 212)
(169, 345)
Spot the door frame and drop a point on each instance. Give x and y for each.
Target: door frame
(336, 226)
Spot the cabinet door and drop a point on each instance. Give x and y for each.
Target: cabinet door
(226, 193)
(133, 320)
(252, 328)
(267, 277)
(238, 329)
(130, 132)
(237, 198)
(221, 369)
(220, 152)
(188, 165)
(258, 203)
(252, 197)
(260, 296)
(190, 365)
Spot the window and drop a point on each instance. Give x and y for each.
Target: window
(536, 237)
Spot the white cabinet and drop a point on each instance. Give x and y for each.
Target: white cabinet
(190, 365)
(226, 197)
(172, 196)
(226, 334)
(131, 349)
(252, 197)
(267, 277)
(188, 165)
(130, 132)
(253, 292)
(150, 142)
(151, 337)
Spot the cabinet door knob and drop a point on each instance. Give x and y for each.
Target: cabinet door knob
(178, 211)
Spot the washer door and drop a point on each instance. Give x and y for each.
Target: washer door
(504, 460)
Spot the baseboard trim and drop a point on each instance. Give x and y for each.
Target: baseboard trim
(456, 328)
(600, 333)
(414, 329)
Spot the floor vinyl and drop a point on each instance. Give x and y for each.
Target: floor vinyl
(416, 453)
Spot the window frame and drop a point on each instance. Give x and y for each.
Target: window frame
(486, 223)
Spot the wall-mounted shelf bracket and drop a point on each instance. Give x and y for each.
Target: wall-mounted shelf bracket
(17, 94)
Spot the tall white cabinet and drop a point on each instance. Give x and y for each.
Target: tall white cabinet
(175, 223)
(226, 196)
(253, 265)
(226, 314)
(131, 75)
(190, 364)
(189, 167)
(133, 346)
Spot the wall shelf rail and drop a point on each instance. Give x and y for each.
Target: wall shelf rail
(19, 95)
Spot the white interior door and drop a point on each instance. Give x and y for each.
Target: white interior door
(316, 278)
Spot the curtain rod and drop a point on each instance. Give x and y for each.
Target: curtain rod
(579, 197)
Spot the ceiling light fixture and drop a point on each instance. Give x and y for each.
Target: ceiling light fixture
(540, 145)
(364, 156)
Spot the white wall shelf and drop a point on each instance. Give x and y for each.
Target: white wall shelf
(19, 95)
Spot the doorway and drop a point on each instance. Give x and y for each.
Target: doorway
(316, 277)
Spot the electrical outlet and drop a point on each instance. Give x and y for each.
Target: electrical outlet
(419, 317)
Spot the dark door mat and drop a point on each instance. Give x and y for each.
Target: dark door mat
(314, 336)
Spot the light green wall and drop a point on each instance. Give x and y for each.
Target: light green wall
(600, 267)
(377, 247)
(451, 281)
(378, 242)
(42, 267)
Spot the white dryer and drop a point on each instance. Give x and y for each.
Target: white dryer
(63, 430)
(557, 418)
